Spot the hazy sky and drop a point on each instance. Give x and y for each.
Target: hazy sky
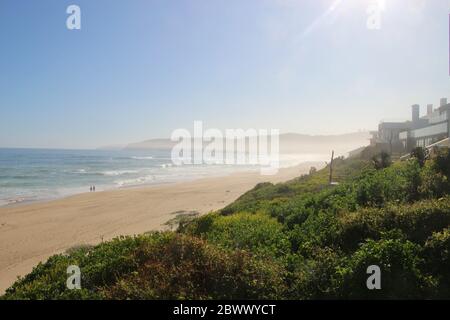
(139, 69)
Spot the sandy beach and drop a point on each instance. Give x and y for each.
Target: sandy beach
(31, 233)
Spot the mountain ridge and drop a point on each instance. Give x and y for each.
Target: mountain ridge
(289, 143)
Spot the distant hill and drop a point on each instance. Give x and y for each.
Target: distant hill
(341, 144)
(290, 143)
(113, 147)
(151, 144)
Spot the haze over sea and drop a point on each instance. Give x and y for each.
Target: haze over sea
(28, 175)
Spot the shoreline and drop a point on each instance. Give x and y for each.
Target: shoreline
(28, 202)
(31, 233)
(108, 188)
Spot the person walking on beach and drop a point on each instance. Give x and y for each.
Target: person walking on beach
(93, 188)
(90, 189)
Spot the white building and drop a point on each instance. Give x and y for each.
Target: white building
(429, 129)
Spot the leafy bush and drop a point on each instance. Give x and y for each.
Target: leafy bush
(436, 175)
(399, 262)
(442, 162)
(420, 155)
(400, 183)
(381, 160)
(434, 184)
(100, 266)
(417, 221)
(437, 261)
(189, 268)
(257, 233)
(318, 277)
(260, 197)
(154, 266)
(317, 231)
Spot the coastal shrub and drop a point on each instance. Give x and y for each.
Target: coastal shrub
(156, 266)
(318, 277)
(420, 155)
(410, 172)
(381, 160)
(442, 162)
(400, 183)
(190, 268)
(399, 262)
(200, 225)
(47, 281)
(295, 210)
(263, 195)
(436, 175)
(434, 183)
(436, 256)
(290, 212)
(253, 200)
(417, 221)
(318, 230)
(337, 199)
(371, 191)
(100, 266)
(258, 233)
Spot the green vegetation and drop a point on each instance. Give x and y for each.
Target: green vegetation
(303, 239)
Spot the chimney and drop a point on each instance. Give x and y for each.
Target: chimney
(429, 109)
(443, 102)
(415, 113)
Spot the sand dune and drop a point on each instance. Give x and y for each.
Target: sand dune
(31, 233)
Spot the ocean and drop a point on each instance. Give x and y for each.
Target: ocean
(28, 175)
